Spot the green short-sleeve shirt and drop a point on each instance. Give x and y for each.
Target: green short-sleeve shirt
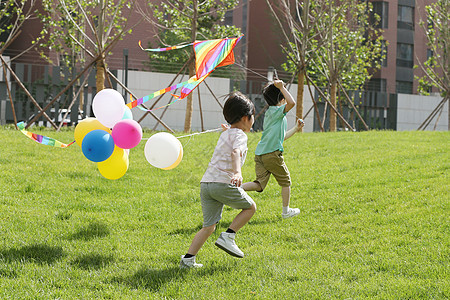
(275, 124)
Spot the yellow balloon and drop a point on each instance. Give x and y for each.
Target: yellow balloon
(177, 162)
(115, 166)
(86, 126)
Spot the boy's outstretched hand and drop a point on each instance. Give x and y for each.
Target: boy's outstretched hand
(225, 127)
(300, 123)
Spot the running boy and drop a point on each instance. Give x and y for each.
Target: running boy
(221, 182)
(269, 151)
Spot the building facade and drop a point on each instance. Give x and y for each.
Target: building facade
(406, 45)
(260, 47)
(404, 38)
(259, 50)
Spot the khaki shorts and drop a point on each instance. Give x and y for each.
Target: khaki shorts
(271, 163)
(215, 195)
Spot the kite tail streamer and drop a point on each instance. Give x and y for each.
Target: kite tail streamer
(177, 98)
(186, 88)
(44, 140)
(164, 49)
(157, 93)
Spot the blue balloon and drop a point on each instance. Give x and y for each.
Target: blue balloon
(97, 145)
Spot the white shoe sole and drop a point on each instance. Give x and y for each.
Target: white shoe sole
(231, 252)
(289, 216)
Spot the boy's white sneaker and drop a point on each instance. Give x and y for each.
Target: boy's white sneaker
(227, 244)
(186, 263)
(292, 212)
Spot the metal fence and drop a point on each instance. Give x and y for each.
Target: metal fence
(378, 109)
(44, 82)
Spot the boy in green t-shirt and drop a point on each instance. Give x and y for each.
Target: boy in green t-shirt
(269, 152)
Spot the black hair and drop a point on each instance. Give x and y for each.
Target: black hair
(272, 94)
(236, 107)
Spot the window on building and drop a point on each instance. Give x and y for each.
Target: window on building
(299, 13)
(404, 87)
(381, 8)
(229, 18)
(429, 54)
(377, 85)
(384, 51)
(405, 17)
(405, 55)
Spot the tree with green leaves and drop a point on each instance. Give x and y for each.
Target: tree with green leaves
(180, 22)
(78, 29)
(342, 47)
(13, 14)
(296, 24)
(352, 49)
(437, 66)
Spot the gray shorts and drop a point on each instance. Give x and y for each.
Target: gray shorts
(215, 195)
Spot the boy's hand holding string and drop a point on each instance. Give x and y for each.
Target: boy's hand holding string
(236, 179)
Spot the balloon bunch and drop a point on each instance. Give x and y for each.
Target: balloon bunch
(107, 138)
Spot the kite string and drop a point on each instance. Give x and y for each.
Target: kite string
(248, 69)
(195, 133)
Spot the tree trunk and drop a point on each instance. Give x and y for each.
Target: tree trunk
(300, 88)
(100, 76)
(189, 102)
(333, 102)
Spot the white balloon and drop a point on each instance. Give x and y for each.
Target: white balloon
(109, 107)
(162, 150)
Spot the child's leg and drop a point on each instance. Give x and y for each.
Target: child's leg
(226, 239)
(251, 186)
(200, 238)
(286, 195)
(287, 211)
(242, 218)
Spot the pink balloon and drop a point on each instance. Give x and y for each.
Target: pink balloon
(127, 134)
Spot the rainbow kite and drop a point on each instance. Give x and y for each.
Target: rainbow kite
(44, 140)
(209, 55)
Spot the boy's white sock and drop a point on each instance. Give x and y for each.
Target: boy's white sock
(285, 209)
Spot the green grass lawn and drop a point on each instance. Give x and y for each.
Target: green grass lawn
(374, 222)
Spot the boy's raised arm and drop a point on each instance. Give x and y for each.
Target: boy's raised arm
(290, 102)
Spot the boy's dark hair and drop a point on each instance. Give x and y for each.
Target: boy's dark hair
(236, 107)
(272, 94)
